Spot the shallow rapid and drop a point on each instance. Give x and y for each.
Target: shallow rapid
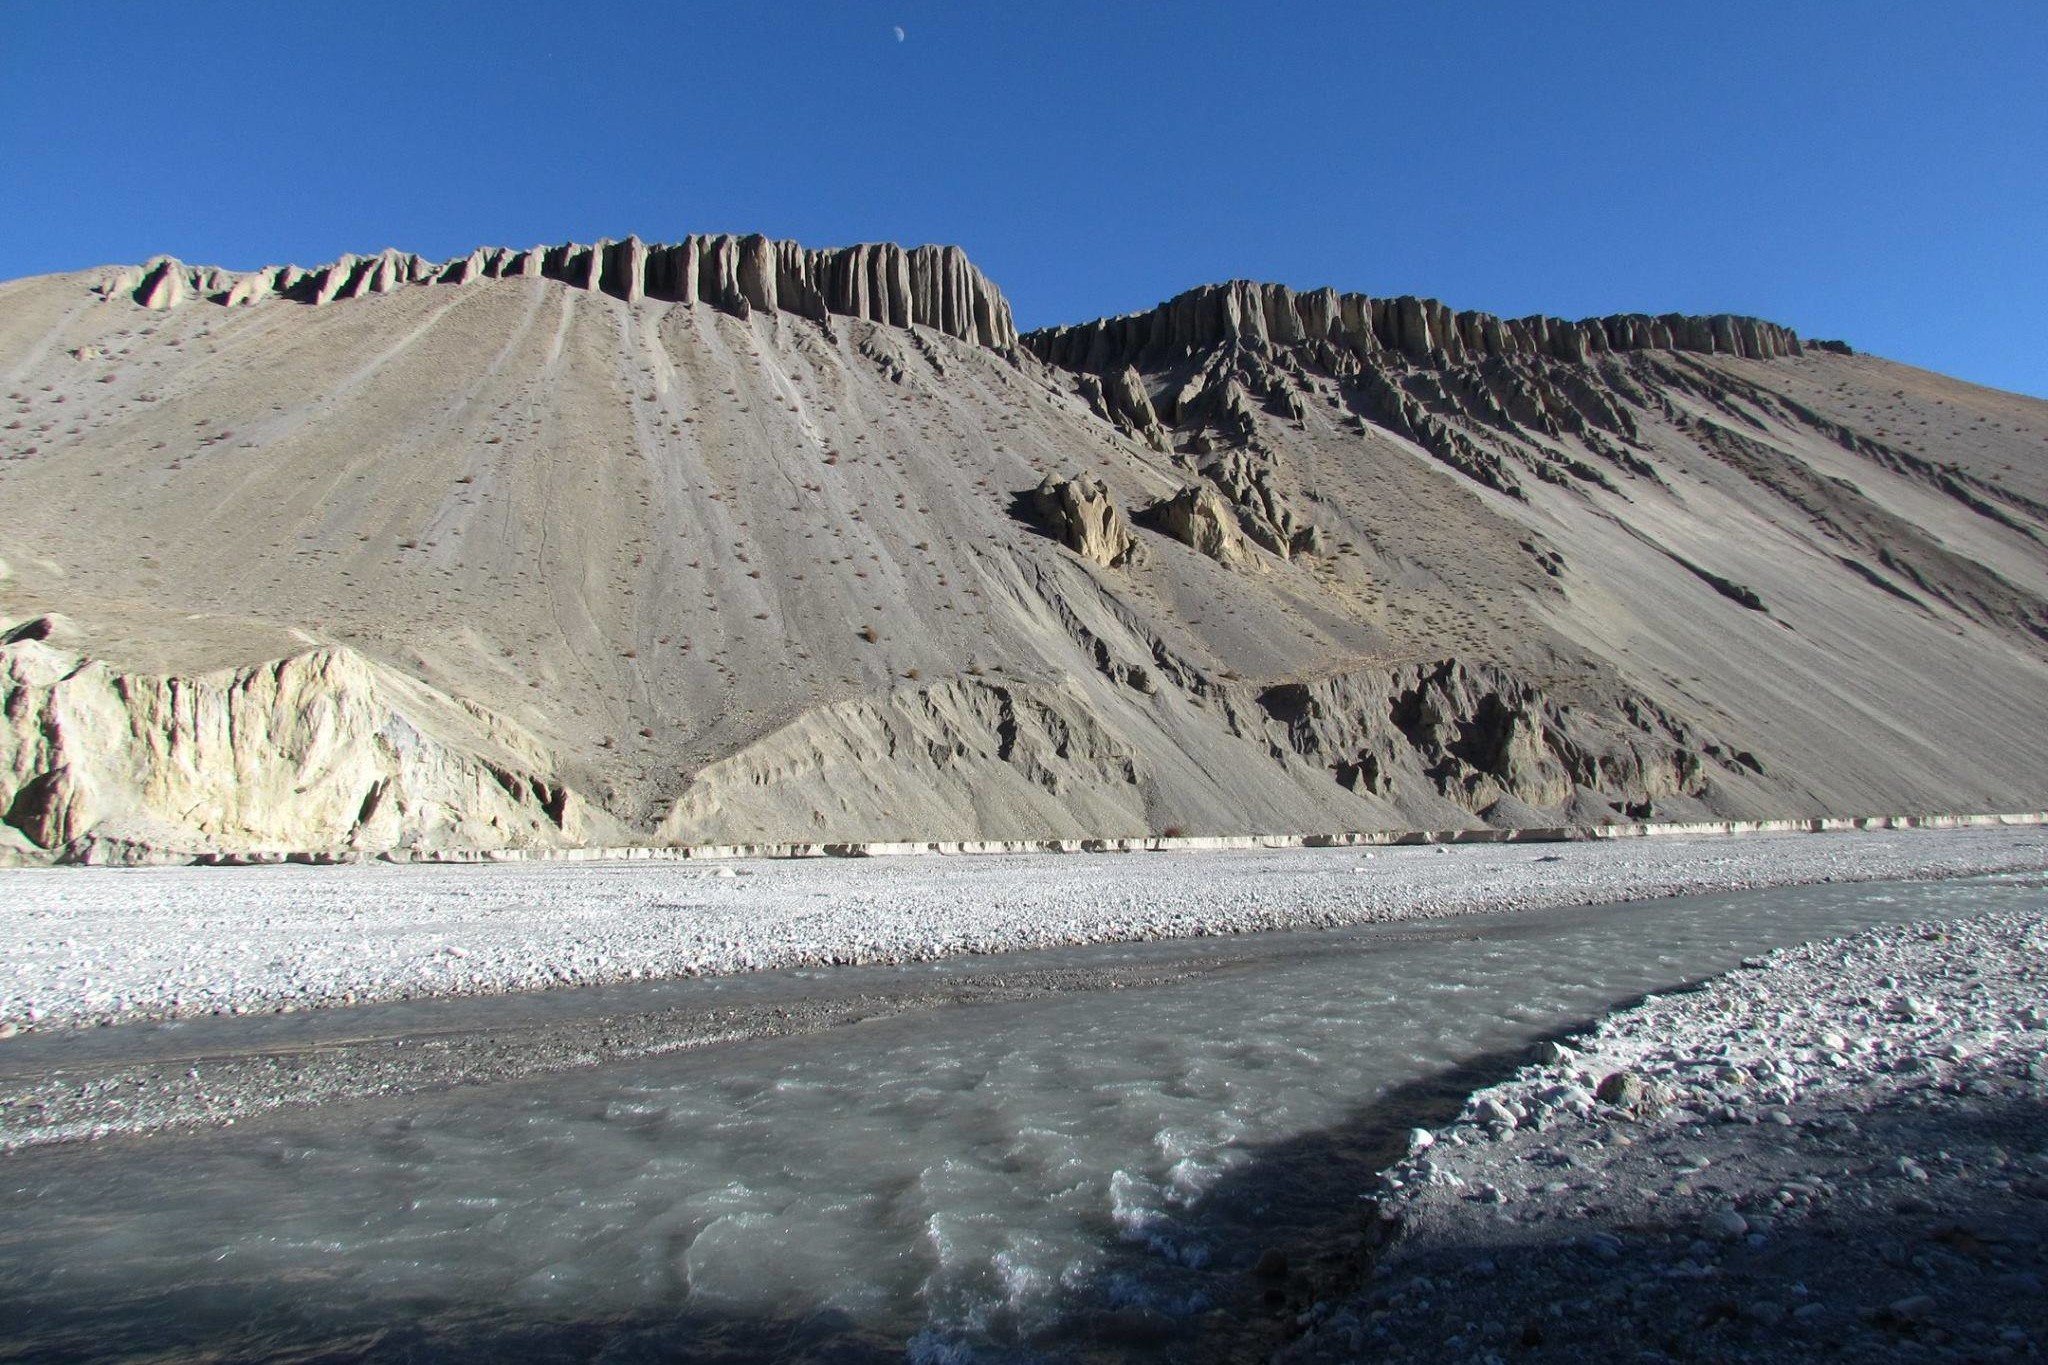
(1092, 1173)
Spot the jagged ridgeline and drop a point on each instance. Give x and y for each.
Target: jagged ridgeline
(1411, 362)
(928, 286)
(735, 540)
(1423, 330)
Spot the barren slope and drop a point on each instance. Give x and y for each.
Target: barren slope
(733, 541)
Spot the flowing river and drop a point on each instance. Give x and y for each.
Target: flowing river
(1092, 1174)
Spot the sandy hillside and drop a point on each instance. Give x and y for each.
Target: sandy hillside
(732, 540)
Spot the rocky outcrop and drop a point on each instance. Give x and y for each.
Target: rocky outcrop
(1212, 411)
(323, 750)
(927, 286)
(1198, 517)
(1421, 330)
(162, 286)
(1263, 512)
(1081, 515)
(545, 483)
(1496, 400)
(1481, 736)
(924, 763)
(1121, 397)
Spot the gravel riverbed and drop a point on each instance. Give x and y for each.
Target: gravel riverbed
(1835, 1152)
(86, 946)
(1838, 1152)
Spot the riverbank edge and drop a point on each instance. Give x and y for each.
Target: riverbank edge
(112, 853)
(1644, 1091)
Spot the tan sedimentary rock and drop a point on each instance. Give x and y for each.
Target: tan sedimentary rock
(1445, 380)
(1479, 733)
(1263, 512)
(322, 750)
(163, 284)
(253, 286)
(327, 282)
(771, 578)
(1198, 517)
(972, 744)
(626, 271)
(1081, 513)
(1122, 398)
(468, 269)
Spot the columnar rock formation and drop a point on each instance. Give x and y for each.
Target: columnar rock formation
(926, 286)
(1487, 396)
(523, 548)
(1423, 330)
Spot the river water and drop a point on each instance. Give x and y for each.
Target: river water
(1090, 1175)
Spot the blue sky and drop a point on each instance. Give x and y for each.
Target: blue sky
(1873, 171)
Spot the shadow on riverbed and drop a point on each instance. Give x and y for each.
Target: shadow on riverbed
(1890, 1267)
(1288, 1229)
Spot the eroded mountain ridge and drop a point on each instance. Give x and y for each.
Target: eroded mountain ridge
(733, 539)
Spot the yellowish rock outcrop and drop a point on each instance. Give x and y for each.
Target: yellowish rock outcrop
(324, 750)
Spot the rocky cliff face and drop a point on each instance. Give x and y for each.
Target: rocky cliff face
(1421, 330)
(1491, 398)
(1499, 401)
(926, 286)
(1493, 742)
(320, 751)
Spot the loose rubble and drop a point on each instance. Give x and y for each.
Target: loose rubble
(1836, 1152)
